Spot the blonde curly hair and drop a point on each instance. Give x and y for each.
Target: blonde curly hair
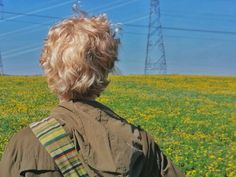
(78, 55)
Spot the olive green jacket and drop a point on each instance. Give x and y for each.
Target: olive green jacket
(108, 146)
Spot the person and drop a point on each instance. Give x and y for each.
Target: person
(78, 55)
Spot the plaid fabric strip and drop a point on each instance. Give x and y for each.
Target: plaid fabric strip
(59, 145)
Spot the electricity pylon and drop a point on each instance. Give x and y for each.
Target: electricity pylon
(155, 61)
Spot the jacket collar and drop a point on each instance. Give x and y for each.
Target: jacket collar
(69, 105)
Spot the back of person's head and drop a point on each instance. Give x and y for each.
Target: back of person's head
(78, 55)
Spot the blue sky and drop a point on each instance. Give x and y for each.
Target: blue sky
(187, 52)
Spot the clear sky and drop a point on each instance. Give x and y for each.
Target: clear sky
(187, 52)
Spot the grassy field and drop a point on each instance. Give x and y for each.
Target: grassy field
(193, 118)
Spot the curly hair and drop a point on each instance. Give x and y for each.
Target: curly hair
(78, 55)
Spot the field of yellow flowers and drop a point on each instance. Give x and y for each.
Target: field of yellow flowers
(193, 118)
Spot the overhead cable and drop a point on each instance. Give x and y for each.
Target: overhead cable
(39, 10)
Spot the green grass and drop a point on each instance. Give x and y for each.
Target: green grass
(192, 118)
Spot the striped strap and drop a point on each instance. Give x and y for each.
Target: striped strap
(59, 145)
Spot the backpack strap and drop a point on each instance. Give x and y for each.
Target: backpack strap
(60, 147)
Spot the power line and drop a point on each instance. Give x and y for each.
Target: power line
(199, 38)
(198, 14)
(28, 22)
(120, 5)
(131, 21)
(206, 18)
(108, 5)
(110, 8)
(138, 33)
(135, 25)
(47, 24)
(20, 49)
(22, 52)
(40, 10)
(182, 37)
(114, 5)
(187, 29)
(30, 15)
(199, 30)
(26, 48)
(29, 49)
(20, 29)
(135, 19)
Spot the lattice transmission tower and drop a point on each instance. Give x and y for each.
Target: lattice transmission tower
(155, 61)
(1, 17)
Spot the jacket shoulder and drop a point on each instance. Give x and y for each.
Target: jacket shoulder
(24, 154)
